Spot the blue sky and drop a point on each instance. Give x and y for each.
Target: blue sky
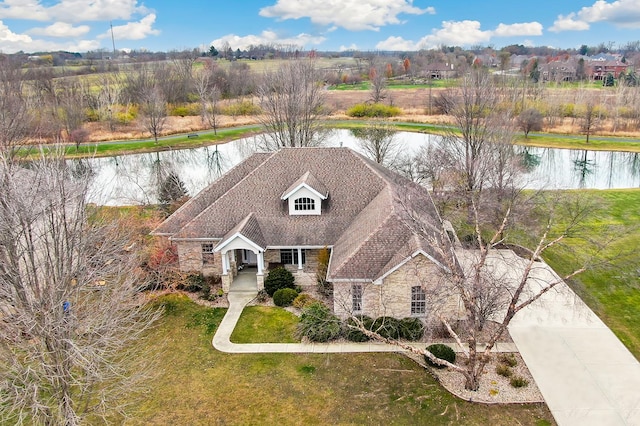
(81, 25)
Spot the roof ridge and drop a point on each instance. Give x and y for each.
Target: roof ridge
(381, 224)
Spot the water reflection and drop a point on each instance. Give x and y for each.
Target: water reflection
(136, 179)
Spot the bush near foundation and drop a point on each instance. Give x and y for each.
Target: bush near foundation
(410, 329)
(387, 327)
(284, 297)
(318, 324)
(353, 334)
(278, 278)
(440, 351)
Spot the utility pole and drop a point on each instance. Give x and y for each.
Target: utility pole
(113, 40)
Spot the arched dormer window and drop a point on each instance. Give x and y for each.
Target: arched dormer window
(304, 204)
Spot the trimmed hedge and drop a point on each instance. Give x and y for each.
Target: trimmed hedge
(442, 352)
(284, 296)
(278, 278)
(355, 335)
(318, 324)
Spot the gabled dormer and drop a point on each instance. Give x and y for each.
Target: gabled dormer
(305, 196)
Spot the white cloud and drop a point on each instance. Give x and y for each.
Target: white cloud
(11, 42)
(456, 33)
(60, 29)
(344, 48)
(624, 13)
(133, 30)
(461, 33)
(396, 43)
(521, 29)
(354, 15)
(266, 37)
(568, 23)
(70, 10)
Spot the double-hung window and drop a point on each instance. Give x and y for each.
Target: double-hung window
(418, 301)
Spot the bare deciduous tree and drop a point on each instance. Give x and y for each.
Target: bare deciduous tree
(480, 128)
(209, 94)
(71, 318)
(530, 119)
(15, 116)
(377, 80)
(292, 102)
(154, 111)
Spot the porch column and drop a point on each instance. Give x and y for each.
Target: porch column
(260, 262)
(225, 263)
(299, 258)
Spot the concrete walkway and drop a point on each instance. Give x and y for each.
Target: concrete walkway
(586, 375)
(238, 299)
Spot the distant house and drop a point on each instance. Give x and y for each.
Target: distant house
(559, 70)
(599, 69)
(439, 70)
(382, 230)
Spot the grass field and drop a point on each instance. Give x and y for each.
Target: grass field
(612, 291)
(198, 385)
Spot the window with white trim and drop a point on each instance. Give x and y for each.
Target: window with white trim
(418, 300)
(356, 298)
(207, 253)
(304, 204)
(290, 256)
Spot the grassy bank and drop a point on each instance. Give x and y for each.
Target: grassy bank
(611, 290)
(182, 141)
(198, 385)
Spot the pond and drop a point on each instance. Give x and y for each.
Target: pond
(134, 179)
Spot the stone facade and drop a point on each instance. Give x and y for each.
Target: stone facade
(191, 259)
(393, 296)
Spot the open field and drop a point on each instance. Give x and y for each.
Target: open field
(198, 385)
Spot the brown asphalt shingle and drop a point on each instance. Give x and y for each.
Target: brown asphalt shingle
(372, 216)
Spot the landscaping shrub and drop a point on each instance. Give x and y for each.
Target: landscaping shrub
(303, 300)
(508, 359)
(241, 108)
(355, 335)
(278, 278)
(411, 329)
(519, 382)
(194, 282)
(387, 327)
(504, 370)
(262, 296)
(318, 324)
(373, 110)
(184, 110)
(442, 352)
(284, 296)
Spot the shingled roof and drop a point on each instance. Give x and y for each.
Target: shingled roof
(373, 218)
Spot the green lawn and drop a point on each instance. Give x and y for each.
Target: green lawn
(612, 291)
(261, 324)
(174, 142)
(198, 385)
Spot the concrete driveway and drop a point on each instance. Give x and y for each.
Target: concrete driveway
(586, 375)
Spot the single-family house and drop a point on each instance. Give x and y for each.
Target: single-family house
(383, 231)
